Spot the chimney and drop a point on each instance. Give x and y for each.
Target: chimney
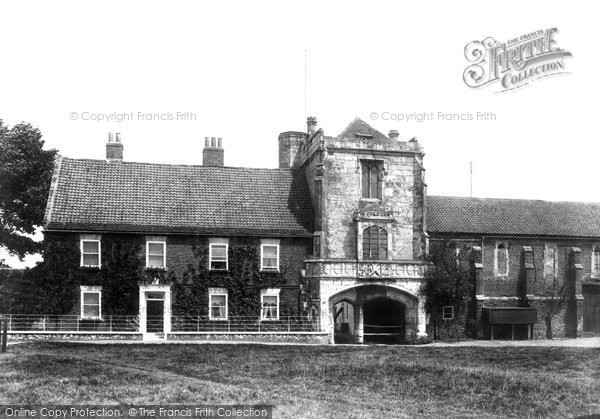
(393, 134)
(213, 153)
(114, 147)
(311, 125)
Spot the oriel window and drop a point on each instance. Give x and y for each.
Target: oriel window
(375, 243)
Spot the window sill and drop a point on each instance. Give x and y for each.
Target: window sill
(271, 270)
(217, 270)
(269, 320)
(219, 320)
(90, 318)
(156, 268)
(91, 267)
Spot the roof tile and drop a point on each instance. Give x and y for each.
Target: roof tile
(125, 196)
(449, 214)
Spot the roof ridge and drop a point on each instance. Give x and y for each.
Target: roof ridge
(512, 199)
(186, 165)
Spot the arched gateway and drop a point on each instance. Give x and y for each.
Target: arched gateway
(373, 314)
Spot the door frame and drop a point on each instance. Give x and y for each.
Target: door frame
(150, 288)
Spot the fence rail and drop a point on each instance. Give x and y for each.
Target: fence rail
(31, 323)
(244, 324)
(70, 323)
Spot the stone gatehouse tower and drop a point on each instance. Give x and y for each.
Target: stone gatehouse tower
(368, 193)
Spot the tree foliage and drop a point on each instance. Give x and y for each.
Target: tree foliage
(25, 175)
(447, 281)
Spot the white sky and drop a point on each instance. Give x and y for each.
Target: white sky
(239, 66)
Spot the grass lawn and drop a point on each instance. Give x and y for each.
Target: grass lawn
(313, 381)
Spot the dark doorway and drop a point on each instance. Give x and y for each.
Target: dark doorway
(383, 321)
(155, 308)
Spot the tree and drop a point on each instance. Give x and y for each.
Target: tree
(447, 281)
(25, 175)
(556, 299)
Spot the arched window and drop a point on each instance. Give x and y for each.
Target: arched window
(550, 251)
(596, 261)
(375, 243)
(501, 259)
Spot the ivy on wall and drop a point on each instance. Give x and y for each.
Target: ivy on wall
(243, 280)
(52, 287)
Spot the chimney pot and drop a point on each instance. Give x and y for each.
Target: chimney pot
(114, 148)
(311, 125)
(393, 134)
(213, 153)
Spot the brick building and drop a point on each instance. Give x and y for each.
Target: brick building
(338, 233)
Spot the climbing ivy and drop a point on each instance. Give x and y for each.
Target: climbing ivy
(52, 287)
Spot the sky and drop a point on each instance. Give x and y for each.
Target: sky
(238, 70)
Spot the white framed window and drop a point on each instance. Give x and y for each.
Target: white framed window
(156, 254)
(90, 252)
(217, 303)
(501, 259)
(269, 255)
(550, 259)
(448, 313)
(596, 260)
(218, 250)
(91, 302)
(269, 303)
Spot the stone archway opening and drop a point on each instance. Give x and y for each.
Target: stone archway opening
(344, 321)
(372, 313)
(384, 321)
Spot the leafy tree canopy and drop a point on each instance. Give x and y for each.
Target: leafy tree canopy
(447, 281)
(25, 175)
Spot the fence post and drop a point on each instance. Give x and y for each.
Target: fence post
(288, 324)
(110, 323)
(44, 323)
(198, 324)
(4, 329)
(10, 322)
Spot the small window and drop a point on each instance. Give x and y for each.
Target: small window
(596, 261)
(218, 256)
(448, 313)
(269, 304)
(217, 302)
(156, 254)
(269, 257)
(501, 259)
(375, 243)
(550, 252)
(91, 302)
(317, 245)
(90, 253)
(372, 171)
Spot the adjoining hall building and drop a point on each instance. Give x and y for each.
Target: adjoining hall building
(338, 234)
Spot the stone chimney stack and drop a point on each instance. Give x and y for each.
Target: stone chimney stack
(213, 153)
(393, 134)
(311, 125)
(114, 147)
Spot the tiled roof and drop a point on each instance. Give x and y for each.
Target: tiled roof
(359, 128)
(448, 214)
(96, 195)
